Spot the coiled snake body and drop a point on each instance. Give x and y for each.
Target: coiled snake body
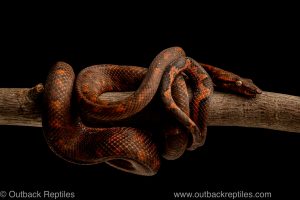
(127, 148)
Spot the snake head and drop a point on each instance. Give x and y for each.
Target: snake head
(235, 83)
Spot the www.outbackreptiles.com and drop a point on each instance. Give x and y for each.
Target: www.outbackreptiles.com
(223, 195)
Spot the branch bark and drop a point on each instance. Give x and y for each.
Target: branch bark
(22, 107)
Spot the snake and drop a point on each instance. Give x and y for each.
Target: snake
(73, 113)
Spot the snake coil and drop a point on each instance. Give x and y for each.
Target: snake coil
(72, 104)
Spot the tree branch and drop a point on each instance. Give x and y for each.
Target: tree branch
(22, 106)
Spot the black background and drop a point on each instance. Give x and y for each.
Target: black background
(258, 42)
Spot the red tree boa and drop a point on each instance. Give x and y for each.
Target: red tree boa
(73, 110)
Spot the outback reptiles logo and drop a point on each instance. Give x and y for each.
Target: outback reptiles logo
(46, 194)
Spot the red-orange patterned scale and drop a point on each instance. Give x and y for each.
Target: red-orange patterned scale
(73, 109)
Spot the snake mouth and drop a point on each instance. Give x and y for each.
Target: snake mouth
(247, 90)
(252, 92)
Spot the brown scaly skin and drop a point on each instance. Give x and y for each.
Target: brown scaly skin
(125, 148)
(89, 87)
(70, 131)
(202, 88)
(232, 82)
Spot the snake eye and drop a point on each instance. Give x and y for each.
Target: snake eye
(239, 83)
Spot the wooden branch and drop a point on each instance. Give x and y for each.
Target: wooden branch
(22, 106)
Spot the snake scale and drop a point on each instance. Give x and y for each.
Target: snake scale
(70, 104)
